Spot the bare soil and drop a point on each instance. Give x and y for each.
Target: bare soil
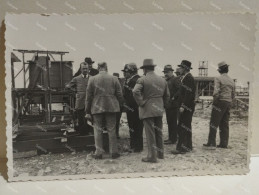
(213, 161)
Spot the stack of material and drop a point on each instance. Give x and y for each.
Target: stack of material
(51, 138)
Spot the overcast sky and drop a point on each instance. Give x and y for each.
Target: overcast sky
(123, 38)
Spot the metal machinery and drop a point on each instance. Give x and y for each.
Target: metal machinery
(43, 84)
(37, 126)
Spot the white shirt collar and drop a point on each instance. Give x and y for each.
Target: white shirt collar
(84, 76)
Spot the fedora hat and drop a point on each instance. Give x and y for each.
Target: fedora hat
(168, 68)
(89, 60)
(185, 64)
(126, 68)
(221, 64)
(131, 67)
(147, 63)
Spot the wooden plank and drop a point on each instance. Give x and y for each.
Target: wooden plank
(24, 154)
(41, 128)
(41, 51)
(46, 145)
(28, 145)
(67, 149)
(37, 137)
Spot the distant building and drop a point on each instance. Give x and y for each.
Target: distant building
(204, 84)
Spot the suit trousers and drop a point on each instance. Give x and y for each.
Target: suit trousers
(105, 121)
(83, 127)
(135, 129)
(220, 118)
(172, 117)
(185, 129)
(153, 128)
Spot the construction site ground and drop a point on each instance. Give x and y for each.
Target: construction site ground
(216, 161)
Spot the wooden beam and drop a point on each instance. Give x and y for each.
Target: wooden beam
(48, 145)
(41, 51)
(23, 67)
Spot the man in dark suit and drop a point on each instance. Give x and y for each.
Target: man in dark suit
(135, 124)
(92, 71)
(187, 106)
(103, 100)
(173, 107)
(80, 83)
(152, 95)
(177, 73)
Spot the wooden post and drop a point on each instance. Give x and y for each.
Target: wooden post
(23, 64)
(209, 88)
(12, 69)
(61, 71)
(48, 90)
(46, 110)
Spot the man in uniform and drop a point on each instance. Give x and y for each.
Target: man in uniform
(223, 95)
(187, 106)
(80, 83)
(104, 99)
(135, 124)
(172, 109)
(152, 95)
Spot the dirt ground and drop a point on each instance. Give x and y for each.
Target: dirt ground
(214, 161)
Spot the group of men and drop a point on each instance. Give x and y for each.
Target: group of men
(102, 97)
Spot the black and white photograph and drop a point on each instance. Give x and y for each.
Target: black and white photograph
(128, 95)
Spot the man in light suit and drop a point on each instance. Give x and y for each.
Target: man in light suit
(152, 95)
(103, 100)
(223, 96)
(79, 83)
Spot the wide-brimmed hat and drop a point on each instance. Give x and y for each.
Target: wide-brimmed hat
(168, 68)
(126, 68)
(131, 67)
(185, 64)
(89, 60)
(147, 63)
(221, 64)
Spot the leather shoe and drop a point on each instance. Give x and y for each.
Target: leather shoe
(209, 146)
(220, 146)
(178, 152)
(167, 142)
(137, 150)
(151, 160)
(160, 156)
(115, 155)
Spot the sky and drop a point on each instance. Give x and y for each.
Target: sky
(123, 38)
